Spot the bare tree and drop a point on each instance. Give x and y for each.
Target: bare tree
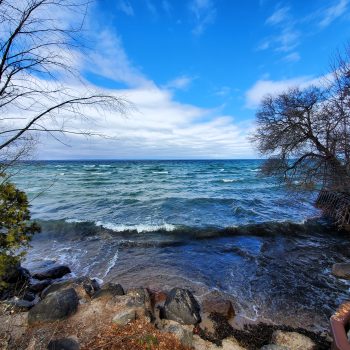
(38, 46)
(304, 132)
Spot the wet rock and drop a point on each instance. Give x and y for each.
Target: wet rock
(84, 286)
(63, 344)
(218, 305)
(52, 273)
(29, 296)
(39, 286)
(124, 317)
(201, 344)
(181, 332)
(19, 305)
(56, 306)
(341, 270)
(292, 340)
(182, 307)
(109, 290)
(274, 347)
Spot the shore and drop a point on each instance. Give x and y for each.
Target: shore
(78, 313)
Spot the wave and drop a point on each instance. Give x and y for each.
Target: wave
(231, 180)
(76, 229)
(160, 172)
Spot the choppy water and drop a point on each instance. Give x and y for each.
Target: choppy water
(212, 226)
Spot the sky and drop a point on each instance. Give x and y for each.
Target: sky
(196, 70)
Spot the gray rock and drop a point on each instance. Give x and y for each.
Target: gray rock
(52, 273)
(292, 340)
(341, 270)
(39, 286)
(109, 289)
(273, 347)
(182, 307)
(15, 273)
(20, 304)
(181, 332)
(139, 297)
(124, 317)
(63, 344)
(56, 306)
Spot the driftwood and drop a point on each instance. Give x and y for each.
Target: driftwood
(335, 205)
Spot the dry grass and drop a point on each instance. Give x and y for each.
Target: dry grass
(138, 335)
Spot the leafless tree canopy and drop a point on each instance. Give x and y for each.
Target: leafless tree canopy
(39, 40)
(304, 132)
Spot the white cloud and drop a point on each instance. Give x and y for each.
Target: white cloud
(126, 7)
(280, 15)
(167, 7)
(204, 12)
(265, 87)
(333, 12)
(292, 57)
(181, 83)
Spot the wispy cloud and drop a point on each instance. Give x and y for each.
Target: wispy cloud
(126, 7)
(333, 12)
(204, 12)
(180, 83)
(292, 57)
(280, 15)
(167, 7)
(152, 8)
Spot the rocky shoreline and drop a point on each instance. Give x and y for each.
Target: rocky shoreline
(49, 310)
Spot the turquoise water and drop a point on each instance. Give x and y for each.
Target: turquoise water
(211, 226)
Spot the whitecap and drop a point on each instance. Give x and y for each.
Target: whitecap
(139, 228)
(89, 166)
(160, 172)
(229, 180)
(111, 263)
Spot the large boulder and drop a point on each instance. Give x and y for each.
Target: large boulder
(63, 344)
(84, 286)
(341, 270)
(215, 327)
(292, 340)
(183, 333)
(182, 307)
(124, 317)
(109, 290)
(52, 273)
(139, 297)
(56, 306)
(37, 287)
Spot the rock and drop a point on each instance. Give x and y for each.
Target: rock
(274, 347)
(29, 296)
(63, 344)
(56, 306)
(84, 286)
(139, 297)
(39, 286)
(201, 344)
(292, 340)
(182, 307)
(341, 270)
(15, 273)
(124, 317)
(181, 332)
(218, 305)
(215, 327)
(54, 272)
(109, 289)
(231, 344)
(20, 304)
(158, 297)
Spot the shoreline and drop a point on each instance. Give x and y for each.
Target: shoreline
(211, 322)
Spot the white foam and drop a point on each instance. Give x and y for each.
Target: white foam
(139, 228)
(230, 180)
(160, 172)
(111, 263)
(89, 166)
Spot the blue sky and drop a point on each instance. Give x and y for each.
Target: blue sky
(197, 69)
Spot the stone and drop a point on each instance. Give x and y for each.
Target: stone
(274, 347)
(52, 273)
(292, 340)
(181, 332)
(15, 273)
(39, 286)
(63, 344)
(84, 286)
(341, 270)
(29, 296)
(218, 305)
(231, 344)
(17, 304)
(201, 344)
(110, 290)
(124, 317)
(215, 326)
(56, 306)
(139, 297)
(182, 307)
